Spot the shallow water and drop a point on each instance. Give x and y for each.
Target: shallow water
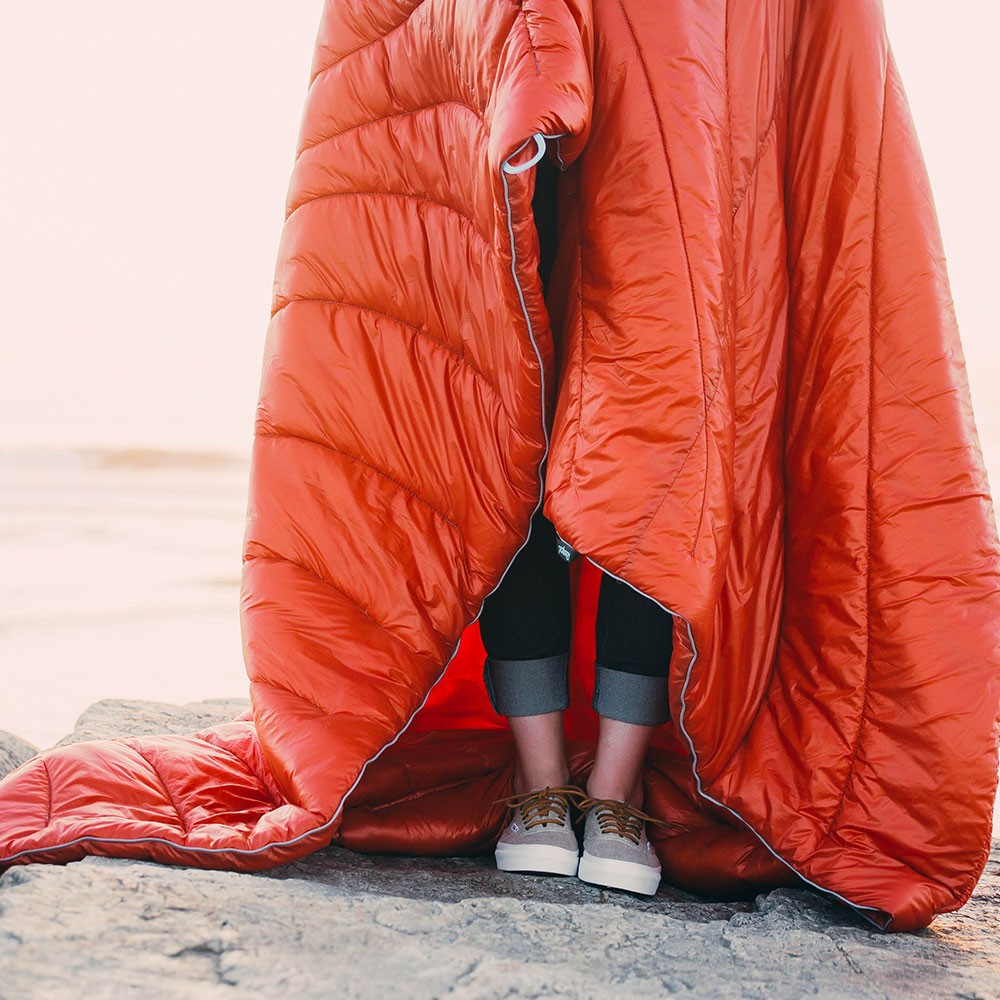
(120, 580)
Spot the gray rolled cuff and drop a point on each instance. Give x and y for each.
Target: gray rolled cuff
(635, 698)
(528, 687)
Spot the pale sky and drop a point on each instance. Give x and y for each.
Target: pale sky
(145, 151)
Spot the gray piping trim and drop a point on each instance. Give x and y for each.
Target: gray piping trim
(858, 907)
(539, 140)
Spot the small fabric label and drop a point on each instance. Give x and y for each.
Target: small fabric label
(565, 549)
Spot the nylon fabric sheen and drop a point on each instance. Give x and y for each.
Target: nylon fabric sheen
(745, 396)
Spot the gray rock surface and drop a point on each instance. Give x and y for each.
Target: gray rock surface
(14, 752)
(342, 924)
(108, 719)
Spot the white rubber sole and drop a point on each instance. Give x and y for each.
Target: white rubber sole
(619, 874)
(542, 858)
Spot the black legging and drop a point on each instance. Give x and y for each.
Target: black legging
(528, 615)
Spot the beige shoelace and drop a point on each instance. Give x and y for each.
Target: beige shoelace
(538, 805)
(617, 817)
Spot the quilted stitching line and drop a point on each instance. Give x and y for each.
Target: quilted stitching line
(773, 121)
(446, 48)
(364, 45)
(522, 17)
(356, 458)
(729, 98)
(756, 162)
(673, 479)
(399, 194)
(326, 713)
(849, 779)
(268, 554)
(583, 337)
(390, 117)
(166, 790)
(419, 793)
(246, 764)
(454, 352)
(729, 294)
(731, 305)
(48, 778)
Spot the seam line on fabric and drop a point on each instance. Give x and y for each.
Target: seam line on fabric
(426, 334)
(416, 793)
(367, 44)
(267, 554)
(391, 117)
(245, 763)
(771, 125)
(166, 790)
(425, 19)
(680, 468)
(327, 446)
(325, 713)
(523, 18)
(408, 195)
(48, 779)
(583, 337)
(869, 492)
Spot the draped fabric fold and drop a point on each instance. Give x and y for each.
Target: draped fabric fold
(744, 394)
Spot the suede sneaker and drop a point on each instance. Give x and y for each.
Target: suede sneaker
(540, 836)
(616, 851)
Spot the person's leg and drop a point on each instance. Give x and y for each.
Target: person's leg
(525, 626)
(617, 771)
(541, 751)
(634, 643)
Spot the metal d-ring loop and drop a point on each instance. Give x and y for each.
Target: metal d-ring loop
(539, 153)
